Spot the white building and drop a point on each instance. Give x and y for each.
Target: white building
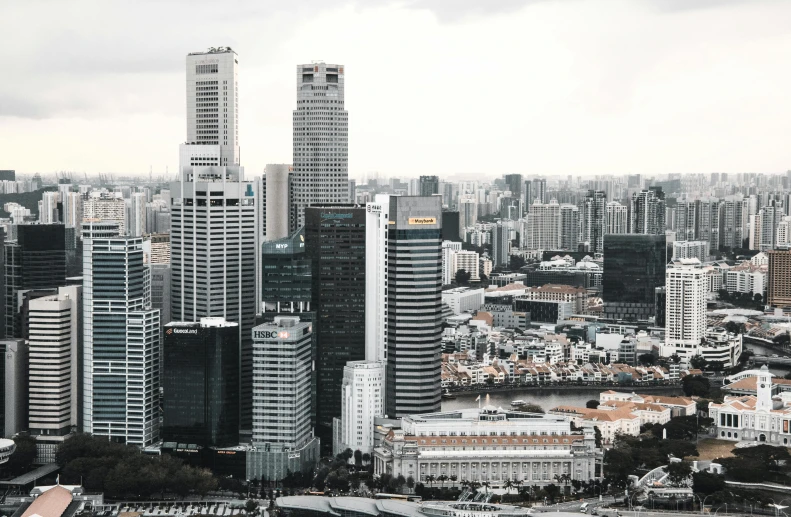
(468, 212)
(616, 218)
(106, 207)
(467, 260)
(53, 341)
(215, 255)
(463, 299)
(137, 214)
(48, 208)
(72, 209)
(276, 195)
(543, 228)
(212, 109)
(449, 248)
(686, 285)
(487, 445)
(282, 434)
(690, 249)
(747, 277)
(321, 139)
(362, 400)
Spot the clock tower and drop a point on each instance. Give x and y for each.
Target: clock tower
(764, 390)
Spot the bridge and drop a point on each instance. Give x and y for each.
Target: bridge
(771, 361)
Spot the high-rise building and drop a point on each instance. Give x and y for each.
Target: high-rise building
(707, 226)
(501, 244)
(467, 260)
(778, 292)
(468, 213)
(616, 219)
(733, 218)
(286, 278)
(35, 260)
(685, 307)
(276, 200)
(690, 249)
(429, 186)
(48, 208)
(72, 209)
(515, 185)
(543, 228)
(362, 400)
(212, 109)
(449, 249)
(647, 214)
(634, 266)
(335, 245)
(594, 220)
(686, 221)
(200, 382)
(215, 254)
(538, 190)
(14, 367)
(450, 225)
(54, 340)
(569, 227)
(768, 219)
(121, 345)
(105, 207)
(321, 140)
(137, 214)
(160, 290)
(403, 315)
(283, 439)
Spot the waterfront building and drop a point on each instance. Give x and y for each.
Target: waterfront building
(35, 259)
(121, 345)
(779, 280)
(321, 140)
(634, 266)
(746, 277)
(335, 238)
(200, 383)
(362, 400)
(685, 308)
(215, 254)
(488, 445)
(54, 339)
(404, 310)
(283, 438)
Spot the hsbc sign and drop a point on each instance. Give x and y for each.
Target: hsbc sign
(270, 334)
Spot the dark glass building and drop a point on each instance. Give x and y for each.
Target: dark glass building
(36, 259)
(450, 225)
(429, 185)
(200, 383)
(634, 266)
(335, 244)
(286, 283)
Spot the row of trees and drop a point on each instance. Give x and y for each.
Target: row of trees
(122, 471)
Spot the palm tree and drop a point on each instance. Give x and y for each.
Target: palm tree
(517, 483)
(508, 484)
(442, 478)
(430, 478)
(453, 478)
(485, 485)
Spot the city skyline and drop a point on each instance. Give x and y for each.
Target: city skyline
(617, 82)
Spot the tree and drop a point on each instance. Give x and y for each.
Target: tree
(516, 262)
(697, 361)
(250, 506)
(675, 358)
(696, 385)
(734, 328)
(646, 359)
(592, 404)
(758, 298)
(463, 277)
(366, 458)
(358, 457)
(707, 483)
(410, 482)
(552, 491)
(678, 472)
(23, 457)
(431, 478)
(532, 408)
(597, 436)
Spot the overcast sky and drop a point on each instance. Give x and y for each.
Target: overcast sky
(448, 87)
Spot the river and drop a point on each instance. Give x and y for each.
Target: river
(546, 398)
(762, 350)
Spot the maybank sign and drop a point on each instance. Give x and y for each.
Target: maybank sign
(422, 220)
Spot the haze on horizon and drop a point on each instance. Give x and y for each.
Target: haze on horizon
(446, 87)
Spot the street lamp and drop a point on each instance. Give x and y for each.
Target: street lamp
(702, 502)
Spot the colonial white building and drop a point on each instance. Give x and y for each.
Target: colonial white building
(362, 399)
(749, 418)
(489, 444)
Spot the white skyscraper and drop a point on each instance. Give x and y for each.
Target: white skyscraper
(137, 214)
(106, 207)
(48, 208)
(72, 209)
(212, 109)
(362, 400)
(449, 248)
(468, 212)
(543, 226)
(686, 286)
(320, 127)
(54, 370)
(215, 255)
(616, 219)
(276, 198)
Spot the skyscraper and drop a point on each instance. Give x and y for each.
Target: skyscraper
(733, 214)
(778, 288)
(468, 213)
(362, 401)
(282, 436)
(137, 214)
(403, 289)
(35, 260)
(647, 215)
(539, 190)
(501, 244)
(215, 254)
(200, 382)
(54, 352)
(212, 109)
(121, 343)
(335, 245)
(429, 185)
(543, 228)
(276, 199)
(685, 307)
(634, 266)
(616, 219)
(569, 227)
(594, 220)
(515, 185)
(321, 125)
